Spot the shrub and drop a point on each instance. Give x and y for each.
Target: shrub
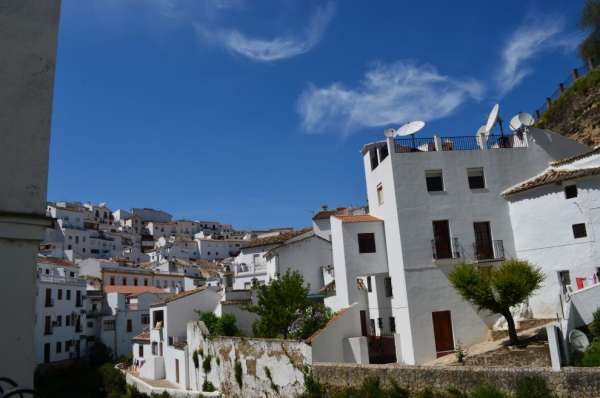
(206, 364)
(312, 388)
(486, 391)
(238, 373)
(532, 387)
(594, 327)
(591, 356)
(208, 386)
(225, 325)
(113, 382)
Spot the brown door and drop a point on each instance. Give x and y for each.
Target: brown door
(176, 370)
(441, 238)
(363, 323)
(483, 241)
(442, 332)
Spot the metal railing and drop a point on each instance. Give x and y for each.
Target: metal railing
(460, 143)
(454, 250)
(575, 74)
(61, 279)
(485, 252)
(403, 145)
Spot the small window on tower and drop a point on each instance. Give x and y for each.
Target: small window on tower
(570, 191)
(579, 231)
(434, 180)
(380, 194)
(475, 177)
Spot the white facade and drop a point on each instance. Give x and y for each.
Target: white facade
(60, 327)
(218, 249)
(420, 226)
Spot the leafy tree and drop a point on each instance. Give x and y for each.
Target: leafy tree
(497, 289)
(225, 325)
(590, 20)
(594, 327)
(279, 304)
(312, 318)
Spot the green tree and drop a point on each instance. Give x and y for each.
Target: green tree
(312, 318)
(279, 304)
(590, 20)
(497, 289)
(226, 325)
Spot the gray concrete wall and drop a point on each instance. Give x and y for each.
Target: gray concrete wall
(28, 36)
(570, 382)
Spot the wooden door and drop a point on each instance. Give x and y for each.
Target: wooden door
(363, 323)
(177, 371)
(442, 332)
(441, 238)
(483, 241)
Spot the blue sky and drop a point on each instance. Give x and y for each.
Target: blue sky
(253, 113)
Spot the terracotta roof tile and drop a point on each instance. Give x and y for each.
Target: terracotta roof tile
(571, 159)
(178, 296)
(551, 176)
(132, 290)
(358, 218)
(325, 214)
(144, 336)
(273, 240)
(55, 261)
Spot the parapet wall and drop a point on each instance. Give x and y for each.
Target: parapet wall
(569, 382)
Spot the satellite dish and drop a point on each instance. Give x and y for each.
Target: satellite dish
(520, 120)
(492, 118)
(389, 133)
(526, 119)
(482, 130)
(410, 128)
(579, 341)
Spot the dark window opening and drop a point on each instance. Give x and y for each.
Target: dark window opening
(388, 286)
(579, 231)
(392, 324)
(434, 180)
(369, 287)
(374, 159)
(570, 191)
(476, 179)
(366, 243)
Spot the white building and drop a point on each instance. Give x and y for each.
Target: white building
(555, 219)
(433, 202)
(60, 327)
(218, 249)
(163, 352)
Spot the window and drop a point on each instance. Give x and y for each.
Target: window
(145, 319)
(58, 347)
(141, 350)
(372, 327)
(383, 152)
(109, 324)
(380, 323)
(59, 295)
(68, 294)
(129, 326)
(366, 243)
(564, 277)
(434, 180)
(72, 274)
(475, 177)
(67, 320)
(374, 159)
(135, 281)
(579, 231)
(388, 286)
(380, 194)
(392, 324)
(369, 287)
(112, 280)
(59, 320)
(145, 281)
(90, 324)
(570, 191)
(124, 280)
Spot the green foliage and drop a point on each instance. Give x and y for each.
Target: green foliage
(487, 391)
(498, 288)
(206, 364)
(239, 373)
(195, 359)
(279, 304)
(312, 318)
(225, 325)
(126, 360)
(594, 327)
(590, 20)
(532, 387)
(113, 381)
(208, 386)
(164, 394)
(99, 354)
(312, 388)
(591, 356)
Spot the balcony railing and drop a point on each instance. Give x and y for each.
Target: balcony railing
(486, 252)
(459, 143)
(452, 252)
(61, 279)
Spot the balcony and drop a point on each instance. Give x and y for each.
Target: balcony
(489, 251)
(446, 250)
(67, 280)
(459, 143)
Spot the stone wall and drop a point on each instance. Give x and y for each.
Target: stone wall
(572, 382)
(246, 367)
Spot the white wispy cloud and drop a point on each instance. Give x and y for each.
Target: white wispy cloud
(389, 94)
(526, 43)
(272, 49)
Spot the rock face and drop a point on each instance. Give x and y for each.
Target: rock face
(576, 114)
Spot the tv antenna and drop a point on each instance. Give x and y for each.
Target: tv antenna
(411, 129)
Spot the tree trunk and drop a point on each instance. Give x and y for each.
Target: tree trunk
(512, 330)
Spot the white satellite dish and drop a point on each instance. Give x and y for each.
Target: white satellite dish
(410, 128)
(492, 118)
(482, 130)
(520, 120)
(389, 133)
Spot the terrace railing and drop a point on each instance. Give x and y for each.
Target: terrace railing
(460, 143)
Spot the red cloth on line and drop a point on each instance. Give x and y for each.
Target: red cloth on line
(580, 282)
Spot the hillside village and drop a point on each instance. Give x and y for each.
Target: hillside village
(470, 271)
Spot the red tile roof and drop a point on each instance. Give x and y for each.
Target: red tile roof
(273, 240)
(178, 296)
(571, 159)
(144, 336)
(55, 261)
(325, 214)
(132, 290)
(358, 218)
(552, 176)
